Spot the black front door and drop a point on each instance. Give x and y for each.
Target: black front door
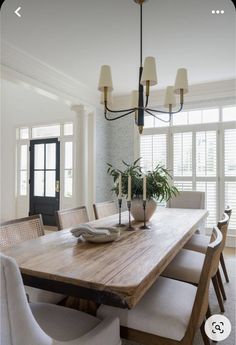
(45, 178)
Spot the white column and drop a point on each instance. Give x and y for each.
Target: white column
(84, 162)
(80, 164)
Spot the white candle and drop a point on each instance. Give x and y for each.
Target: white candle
(144, 188)
(120, 186)
(129, 188)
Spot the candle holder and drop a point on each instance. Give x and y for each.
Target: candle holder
(130, 227)
(144, 226)
(119, 225)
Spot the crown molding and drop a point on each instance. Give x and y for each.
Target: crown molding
(17, 66)
(204, 92)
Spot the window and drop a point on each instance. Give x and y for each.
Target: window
(229, 114)
(24, 133)
(68, 129)
(153, 151)
(201, 150)
(68, 169)
(46, 131)
(23, 170)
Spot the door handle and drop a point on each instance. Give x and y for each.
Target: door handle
(57, 186)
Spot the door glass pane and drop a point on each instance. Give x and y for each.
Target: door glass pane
(39, 156)
(68, 155)
(23, 183)
(68, 184)
(50, 183)
(23, 157)
(51, 156)
(39, 183)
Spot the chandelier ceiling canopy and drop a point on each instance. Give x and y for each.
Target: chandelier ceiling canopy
(147, 78)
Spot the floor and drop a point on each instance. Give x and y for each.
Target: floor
(230, 304)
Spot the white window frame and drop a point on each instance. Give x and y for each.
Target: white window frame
(219, 127)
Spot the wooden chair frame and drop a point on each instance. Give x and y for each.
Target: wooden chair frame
(200, 307)
(228, 211)
(101, 204)
(67, 211)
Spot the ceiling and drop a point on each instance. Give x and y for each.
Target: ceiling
(77, 36)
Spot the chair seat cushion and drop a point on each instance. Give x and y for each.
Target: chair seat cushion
(164, 310)
(198, 243)
(62, 323)
(186, 266)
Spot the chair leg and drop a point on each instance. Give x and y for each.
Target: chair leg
(204, 336)
(208, 313)
(221, 286)
(218, 294)
(222, 261)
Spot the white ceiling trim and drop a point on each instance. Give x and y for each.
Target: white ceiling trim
(18, 65)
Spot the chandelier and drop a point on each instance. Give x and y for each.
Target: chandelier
(147, 78)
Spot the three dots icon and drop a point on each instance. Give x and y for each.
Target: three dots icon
(217, 12)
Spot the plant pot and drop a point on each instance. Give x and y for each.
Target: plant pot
(137, 209)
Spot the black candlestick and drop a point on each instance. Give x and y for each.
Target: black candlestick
(119, 225)
(144, 226)
(129, 207)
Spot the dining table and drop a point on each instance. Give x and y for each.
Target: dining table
(116, 273)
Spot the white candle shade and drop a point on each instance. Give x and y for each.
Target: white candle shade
(120, 187)
(144, 188)
(181, 81)
(109, 99)
(105, 79)
(149, 71)
(170, 97)
(129, 189)
(134, 99)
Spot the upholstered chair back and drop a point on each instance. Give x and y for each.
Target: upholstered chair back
(188, 199)
(201, 301)
(18, 326)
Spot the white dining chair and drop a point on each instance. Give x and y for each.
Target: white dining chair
(46, 324)
(171, 311)
(187, 265)
(199, 243)
(187, 199)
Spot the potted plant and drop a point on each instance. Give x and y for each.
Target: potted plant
(158, 187)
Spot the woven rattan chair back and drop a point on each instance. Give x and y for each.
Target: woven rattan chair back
(19, 230)
(104, 209)
(71, 217)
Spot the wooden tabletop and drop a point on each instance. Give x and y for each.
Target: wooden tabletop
(117, 273)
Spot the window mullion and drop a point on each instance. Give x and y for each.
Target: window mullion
(194, 159)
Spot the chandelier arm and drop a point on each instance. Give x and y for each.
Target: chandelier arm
(146, 104)
(156, 117)
(118, 117)
(165, 112)
(118, 111)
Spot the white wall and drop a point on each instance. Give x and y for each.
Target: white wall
(22, 105)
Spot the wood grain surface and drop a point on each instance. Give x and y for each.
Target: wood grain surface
(124, 269)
